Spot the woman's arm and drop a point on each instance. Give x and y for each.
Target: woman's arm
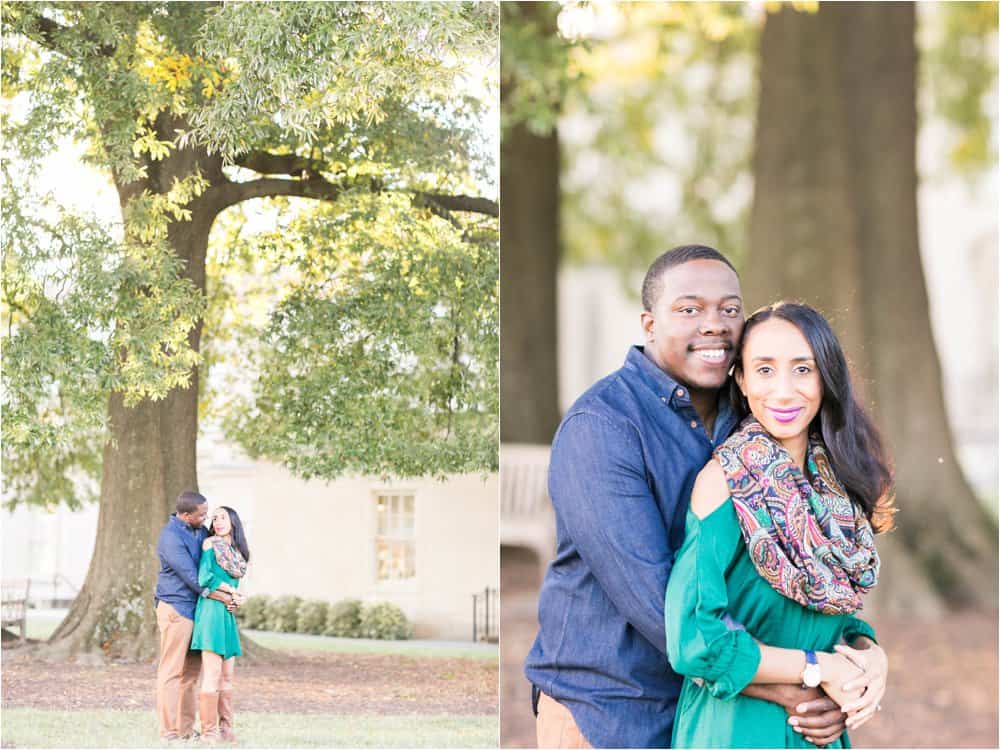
(700, 642)
(206, 571)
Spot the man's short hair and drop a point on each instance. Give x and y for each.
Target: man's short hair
(188, 501)
(675, 257)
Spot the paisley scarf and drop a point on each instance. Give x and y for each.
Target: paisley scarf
(229, 558)
(806, 538)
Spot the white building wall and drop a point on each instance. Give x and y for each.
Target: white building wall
(317, 540)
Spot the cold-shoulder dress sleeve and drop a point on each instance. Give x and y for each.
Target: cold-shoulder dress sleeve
(701, 642)
(207, 576)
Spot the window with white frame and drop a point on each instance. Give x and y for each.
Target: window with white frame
(395, 537)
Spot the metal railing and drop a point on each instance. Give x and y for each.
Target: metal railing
(486, 615)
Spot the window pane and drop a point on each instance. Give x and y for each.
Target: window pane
(381, 513)
(395, 549)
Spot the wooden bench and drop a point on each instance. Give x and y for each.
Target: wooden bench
(526, 515)
(15, 605)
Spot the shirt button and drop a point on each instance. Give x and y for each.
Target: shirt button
(663, 399)
(680, 392)
(694, 424)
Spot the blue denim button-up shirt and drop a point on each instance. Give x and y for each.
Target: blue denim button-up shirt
(623, 464)
(179, 550)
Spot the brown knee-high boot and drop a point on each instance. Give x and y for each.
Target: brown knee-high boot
(208, 709)
(226, 716)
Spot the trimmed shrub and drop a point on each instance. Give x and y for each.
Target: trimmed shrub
(253, 614)
(343, 619)
(312, 617)
(385, 621)
(283, 614)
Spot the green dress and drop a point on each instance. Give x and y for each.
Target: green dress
(712, 584)
(214, 625)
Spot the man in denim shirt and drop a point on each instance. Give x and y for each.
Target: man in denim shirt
(177, 592)
(623, 463)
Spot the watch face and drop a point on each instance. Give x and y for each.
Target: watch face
(811, 675)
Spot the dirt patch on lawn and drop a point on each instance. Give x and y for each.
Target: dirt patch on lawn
(942, 689)
(302, 683)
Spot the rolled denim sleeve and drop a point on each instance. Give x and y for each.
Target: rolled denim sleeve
(174, 555)
(601, 494)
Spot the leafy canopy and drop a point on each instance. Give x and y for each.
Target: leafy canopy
(655, 105)
(374, 348)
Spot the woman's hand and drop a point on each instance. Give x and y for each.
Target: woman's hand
(839, 672)
(874, 664)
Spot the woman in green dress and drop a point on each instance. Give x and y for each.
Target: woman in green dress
(779, 546)
(224, 557)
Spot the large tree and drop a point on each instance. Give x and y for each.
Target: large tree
(834, 223)
(380, 354)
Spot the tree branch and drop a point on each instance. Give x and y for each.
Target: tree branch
(265, 162)
(460, 203)
(230, 193)
(45, 31)
(268, 163)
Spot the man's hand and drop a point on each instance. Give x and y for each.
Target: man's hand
(227, 599)
(811, 713)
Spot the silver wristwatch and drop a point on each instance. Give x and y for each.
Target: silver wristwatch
(811, 675)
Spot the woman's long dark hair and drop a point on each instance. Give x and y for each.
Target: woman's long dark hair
(852, 441)
(238, 536)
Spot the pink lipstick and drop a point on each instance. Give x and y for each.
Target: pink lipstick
(784, 416)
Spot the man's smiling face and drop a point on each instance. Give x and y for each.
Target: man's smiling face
(695, 323)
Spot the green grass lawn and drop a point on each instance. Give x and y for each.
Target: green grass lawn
(28, 727)
(40, 628)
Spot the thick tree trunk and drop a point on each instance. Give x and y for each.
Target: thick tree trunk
(149, 459)
(530, 250)
(834, 223)
(529, 226)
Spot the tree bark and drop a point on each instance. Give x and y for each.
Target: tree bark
(530, 250)
(149, 459)
(834, 223)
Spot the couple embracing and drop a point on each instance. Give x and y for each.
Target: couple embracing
(196, 595)
(714, 533)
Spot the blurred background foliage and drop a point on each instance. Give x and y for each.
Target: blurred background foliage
(612, 81)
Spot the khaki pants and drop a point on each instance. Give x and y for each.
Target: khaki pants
(556, 727)
(176, 674)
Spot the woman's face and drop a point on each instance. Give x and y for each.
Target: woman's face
(221, 525)
(780, 379)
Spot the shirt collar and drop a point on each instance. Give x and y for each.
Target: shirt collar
(182, 524)
(669, 390)
(665, 387)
